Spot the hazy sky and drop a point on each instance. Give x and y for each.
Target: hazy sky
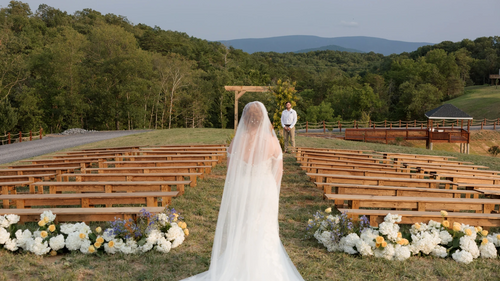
(430, 21)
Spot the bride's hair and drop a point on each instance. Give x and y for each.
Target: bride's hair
(252, 115)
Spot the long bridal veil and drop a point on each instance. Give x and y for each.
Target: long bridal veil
(247, 244)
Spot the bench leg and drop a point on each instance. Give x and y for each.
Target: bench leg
(5, 191)
(193, 180)
(150, 202)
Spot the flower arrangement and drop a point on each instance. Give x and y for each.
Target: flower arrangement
(161, 232)
(442, 239)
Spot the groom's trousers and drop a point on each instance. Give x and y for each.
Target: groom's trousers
(289, 135)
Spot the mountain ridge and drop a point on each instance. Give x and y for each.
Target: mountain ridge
(294, 43)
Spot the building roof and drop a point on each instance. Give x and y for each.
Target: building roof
(447, 111)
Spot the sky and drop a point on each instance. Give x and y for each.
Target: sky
(430, 21)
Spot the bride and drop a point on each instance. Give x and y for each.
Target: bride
(247, 244)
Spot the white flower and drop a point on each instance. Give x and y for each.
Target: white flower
(401, 253)
(434, 224)
(392, 218)
(178, 241)
(445, 237)
(368, 235)
(130, 247)
(468, 244)
(493, 238)
(390, 229)
(174, 232)
(334, 219)
(4, 222)
(462, 256)
(162, 218)
(4, 235)
(50, 216)
(164, 245)
(68, 228)
(114, 249)
(472, 231)
(73, 241)
(11, 245)
(348, 243)
(22, 237)
(108, 235)
(153, 236)
(325, 238)
(38, 247)
(13, 219)
(488, 251)
(84, 247)
(146, 247)
(424, 242)
(417, 228)
(386, 253)
(364, 248)
(439, 251)
(57, 243)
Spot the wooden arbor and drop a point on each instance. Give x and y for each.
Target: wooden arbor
(238, 92)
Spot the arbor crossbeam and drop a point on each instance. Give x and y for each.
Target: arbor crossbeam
(238, 92)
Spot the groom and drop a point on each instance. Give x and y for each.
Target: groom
(288, 120)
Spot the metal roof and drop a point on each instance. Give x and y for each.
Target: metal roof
(447, 111)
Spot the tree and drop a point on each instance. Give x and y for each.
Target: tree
(283, 92)
(417, 99)
(322, 112)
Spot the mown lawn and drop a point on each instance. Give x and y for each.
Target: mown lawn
(479, 101)
(200, 205)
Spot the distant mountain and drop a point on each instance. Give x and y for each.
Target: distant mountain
(329, 48)
(294, 43)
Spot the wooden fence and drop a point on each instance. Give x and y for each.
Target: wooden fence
(431, 135)
(20, 137)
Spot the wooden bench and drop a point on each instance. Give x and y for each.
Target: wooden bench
(492, 193)
(345, 188)
(145, 170)
(418, 165)
(160, 163)
(313, 168)
(31, 178)
(420, 204)
(336, 153)
(416, 156)
(400, 159)
(133, 177)
(315, 162)
(76, 165)
(410, 217)
(316, 157)
(385, 181)
(460, 178)
(217, 157)
(11, 187)
(109, 187)
(113, 148)
(457, 170)
(35, 171)
(87, 200)
(367, 173)
(81, 214)
(478, 186)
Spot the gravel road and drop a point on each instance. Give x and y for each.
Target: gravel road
(51, 143)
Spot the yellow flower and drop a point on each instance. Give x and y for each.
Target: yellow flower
(98, 229)
(82, 235)
(379, 239)
(484, 232)
(100, 240)
(457, 226)
(478, 229)
(384, 244)
(53, 253)
(52, 228)
(400, 235)
(97, 245)
(468, 232)
(498, 236)
(446, 224)
(182, 225)
(111, 244)
(91, 249)
(41, 223)
(377, 245)
(444, 213)
(46, 219)
(176, 215)
(44, 234)
(175, 219)
(405, 242)
(186, 232)
(484, 241)
(328, 210)
(417, 226)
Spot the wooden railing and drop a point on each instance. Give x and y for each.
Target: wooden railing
(20, 137)
(387, 135)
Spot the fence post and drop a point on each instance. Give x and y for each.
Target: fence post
(355, 125)
(31, 136)
(8, 137)
(443, 124)
(307, 125)
(452, 125)
(406, 125)
(399, 123)
(20, 136)
(385, 123)
(41, 131)
(340, 126)
(421, 125)
(324, 127)
(391, 125)
(494, 125)
(374, 125)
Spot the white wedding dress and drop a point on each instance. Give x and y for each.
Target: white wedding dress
(247, 244)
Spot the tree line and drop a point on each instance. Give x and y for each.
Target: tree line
(95, 71)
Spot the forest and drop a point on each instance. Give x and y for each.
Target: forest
(102, 72)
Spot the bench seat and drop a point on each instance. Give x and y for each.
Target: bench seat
(133, 177)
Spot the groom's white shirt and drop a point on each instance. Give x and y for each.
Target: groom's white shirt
(288, 117)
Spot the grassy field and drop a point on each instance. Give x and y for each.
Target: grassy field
(480, 102)
(199, 205)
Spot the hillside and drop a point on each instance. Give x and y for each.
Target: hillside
(330, 48)
(479, 102)
(294, 43)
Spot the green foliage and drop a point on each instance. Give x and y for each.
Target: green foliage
(322, 112)
(284, 92)
(494, 150)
